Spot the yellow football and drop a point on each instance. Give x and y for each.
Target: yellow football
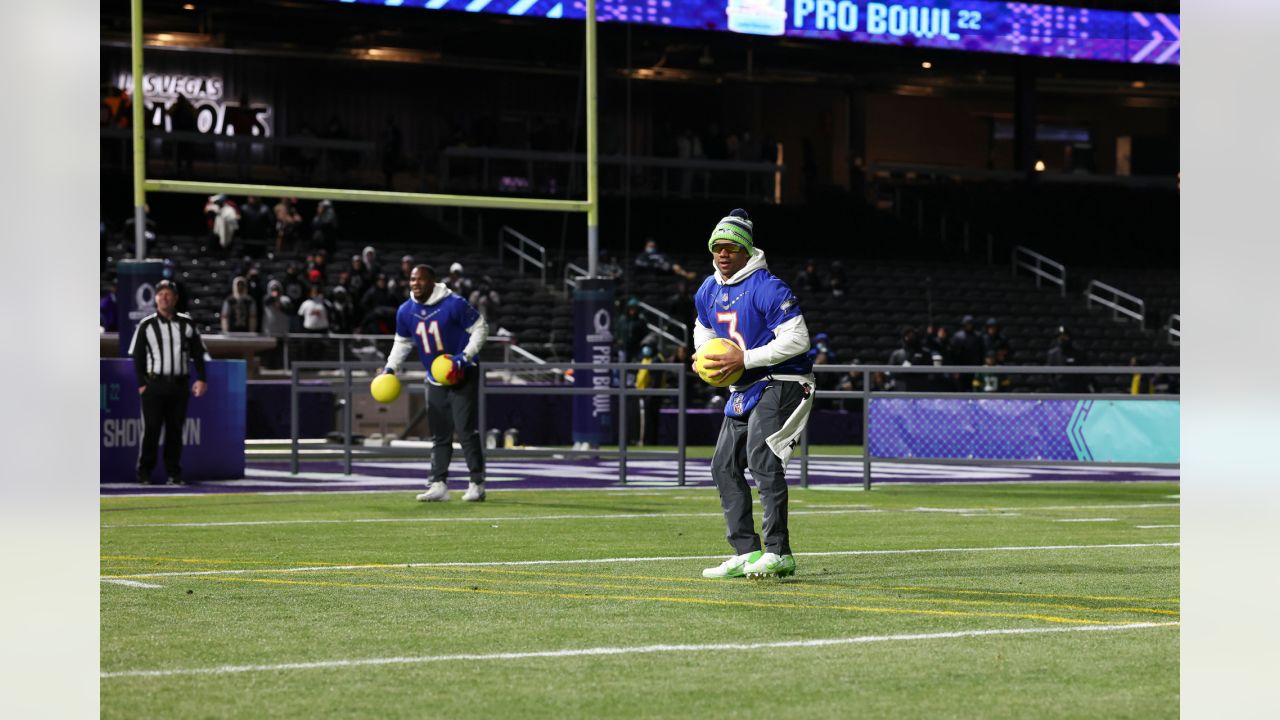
(715, 346)
(385, 388)
(442, 371)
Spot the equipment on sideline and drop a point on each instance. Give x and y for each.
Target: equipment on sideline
(444, 371)
(385, 388)
(716, 346)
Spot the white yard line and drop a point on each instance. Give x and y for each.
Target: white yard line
(1154, 527)
(130, 583)
(590, 561)
(1086, 520)
(636, 650)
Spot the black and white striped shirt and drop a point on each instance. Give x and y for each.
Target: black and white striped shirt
(161, 348)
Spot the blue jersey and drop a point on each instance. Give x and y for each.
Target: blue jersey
(747, 313)
(439, 329)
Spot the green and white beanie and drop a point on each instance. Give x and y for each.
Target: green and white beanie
(736, 228)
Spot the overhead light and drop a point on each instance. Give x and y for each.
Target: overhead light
(926, 65)
(1138, 84)
(1039, 166)
(189, 6)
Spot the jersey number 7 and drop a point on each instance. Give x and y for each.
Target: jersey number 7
(731, 319)
(426, 332)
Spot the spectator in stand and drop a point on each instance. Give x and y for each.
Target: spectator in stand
(255, 219)
(378, 296)
(277, 317)
(324, 227)
(911, 354)
(239, 311)
(315, 319)
(649, 407)
(369, 257)
(343, 317)
(631, 327)
(808, 280)
(966, 349)
(108, 310)
(257, 288)
(224, 221)
(486, 300)
(608, 266)
(1139, 384)
(653, 261)
(288, 223)
(460, 284)
(360, 280)
(995, 341)
(836, 279)
(822, 354)
(1065, 353)
(852, 381)
(680, 304)
(400, 283)
(938, 344)
(293, 284)
(991, 382)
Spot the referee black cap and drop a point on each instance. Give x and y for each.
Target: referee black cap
(166, 285)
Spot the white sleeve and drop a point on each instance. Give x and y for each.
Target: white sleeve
(789, 339)
(399, 352)
(479, 331)
(701, 334)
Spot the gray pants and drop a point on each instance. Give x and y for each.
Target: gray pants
(450, 408)
(741, 446)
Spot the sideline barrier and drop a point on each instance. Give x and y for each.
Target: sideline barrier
(911, 427)
(348, 373)
(1015, 428)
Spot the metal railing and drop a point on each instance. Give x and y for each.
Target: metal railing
(574, 272)
(866, 394)
(518, 249)
(1174, 329)
(343, 375)
(1115, 298)
(665, 319)
(1044, 268)
(350, 344)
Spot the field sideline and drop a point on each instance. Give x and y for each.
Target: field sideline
(1001, 600)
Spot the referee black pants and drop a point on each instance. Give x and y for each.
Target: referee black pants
(451, 408)
(164, 405)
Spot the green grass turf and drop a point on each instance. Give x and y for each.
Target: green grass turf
(269, 617)
(694, 452)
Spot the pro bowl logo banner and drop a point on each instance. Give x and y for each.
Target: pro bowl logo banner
(212, 437)
(136, 292)
(593, 343)
(1014, 28)
(1119, 431)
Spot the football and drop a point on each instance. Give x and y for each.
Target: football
(442, 371)
(716, 346)
(385, 388)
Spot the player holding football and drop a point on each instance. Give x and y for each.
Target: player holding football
(438, 322)
(768, 407)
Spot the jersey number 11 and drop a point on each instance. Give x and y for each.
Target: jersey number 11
(426, 332)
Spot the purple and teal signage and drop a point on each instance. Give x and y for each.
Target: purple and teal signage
(1120, 431)
(1013, 28)
(212, 437)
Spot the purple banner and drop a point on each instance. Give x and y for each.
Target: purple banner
(1013, 28)
(212, 437)
(990, 429)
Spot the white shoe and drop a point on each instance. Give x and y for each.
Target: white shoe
(475, 493)
(771, 565)
(436, 492)
(731, 568)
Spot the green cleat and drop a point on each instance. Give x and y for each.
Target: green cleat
(771, 565)
(733, 567)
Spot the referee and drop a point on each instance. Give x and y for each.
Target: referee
(161, 346)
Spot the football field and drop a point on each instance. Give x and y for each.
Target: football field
(974, 600)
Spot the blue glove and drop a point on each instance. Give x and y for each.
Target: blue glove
(460, 361)
(388, 371)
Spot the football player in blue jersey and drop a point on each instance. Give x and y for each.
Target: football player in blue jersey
(437, 322)
(768, 406)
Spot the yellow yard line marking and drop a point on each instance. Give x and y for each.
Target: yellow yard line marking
(703, 583)
(664, 599)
